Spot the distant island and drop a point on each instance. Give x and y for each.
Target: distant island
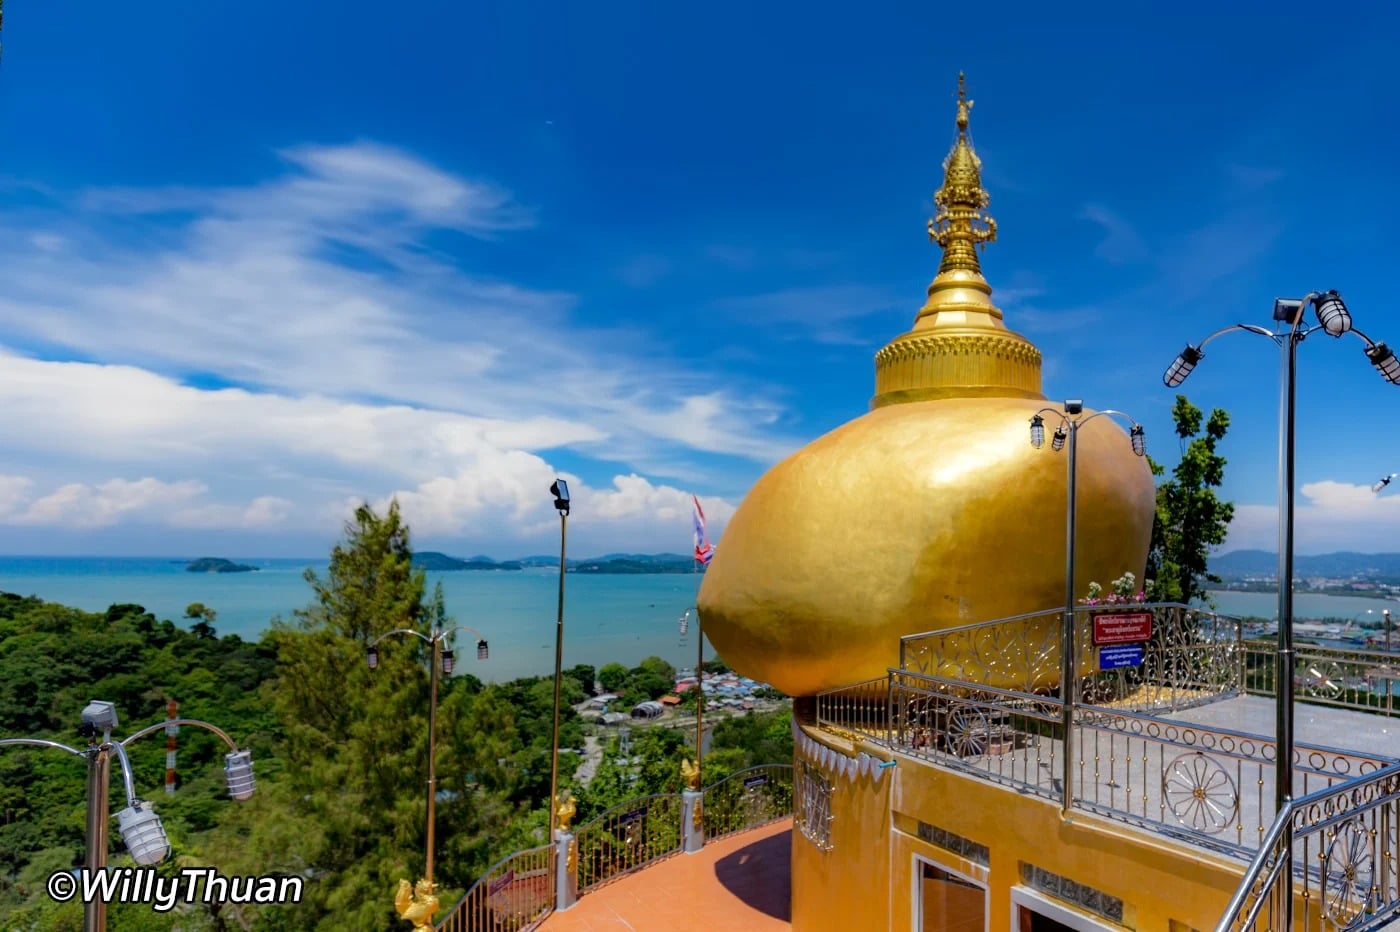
(612, 563)
(441, 562)
(217, 565)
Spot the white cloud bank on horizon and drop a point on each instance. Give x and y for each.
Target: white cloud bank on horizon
(1328, 516)
(370, 366)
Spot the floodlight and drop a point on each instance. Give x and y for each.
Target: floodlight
(560, 490)
(372, 657)
(483, 652)
(1037, 437)
(1139, 440)
(449, 660)
(101, 716)
(1057, 442)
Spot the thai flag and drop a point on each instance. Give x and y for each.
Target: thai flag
(704, 550)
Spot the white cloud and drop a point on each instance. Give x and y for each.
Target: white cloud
(370, 364)
(1328, 516)
(1121, 243)
(78, 505)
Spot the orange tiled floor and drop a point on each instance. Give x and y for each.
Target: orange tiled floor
(738, 884)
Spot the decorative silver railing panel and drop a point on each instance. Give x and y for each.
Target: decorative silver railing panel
(1343, 860)
(514, 894)
(627, 838)
(860, 708)
(1210, 785)
(1002, 735)
(747, 799)
(1352, 679)
(1193, 656)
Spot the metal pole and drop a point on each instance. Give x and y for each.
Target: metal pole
(558, 673)
(1283, 669)
(699, 699)
(434, 657)
(1386, 613)
(99, 774)
(1068, 673)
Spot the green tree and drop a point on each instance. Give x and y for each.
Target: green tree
(204, 626)
(612, 676)
(1190, 518)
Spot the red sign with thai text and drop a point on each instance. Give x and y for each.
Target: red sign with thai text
(1127, 628)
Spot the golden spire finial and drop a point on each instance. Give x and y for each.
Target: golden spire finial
(960, 225)
(964, 105)
(959, 346)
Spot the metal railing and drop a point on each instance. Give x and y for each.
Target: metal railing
(747, 799)
(1340, 870)
(518, 892)
(514, 894)
(860, 708)
(1353, 679)
(1002, 735)
(627, 838)
(1192, 656)
(1211, 785)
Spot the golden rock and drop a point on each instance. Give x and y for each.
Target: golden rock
(933, 510)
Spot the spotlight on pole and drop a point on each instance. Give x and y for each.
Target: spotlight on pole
(1383, 482)
(238, 774)
(1057, 440)
(372, 657)
(560, 490)
(449, 660)
(1181, 367)
(483, 652)
(1139, 439)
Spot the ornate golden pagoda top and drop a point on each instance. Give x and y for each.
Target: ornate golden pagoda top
(959, 346)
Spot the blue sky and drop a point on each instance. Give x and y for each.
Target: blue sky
(262, 260)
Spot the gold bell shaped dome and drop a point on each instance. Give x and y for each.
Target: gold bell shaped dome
(959, 346)
(931, 510)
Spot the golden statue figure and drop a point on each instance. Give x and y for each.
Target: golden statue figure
(565, 812)
(417, 904)
(690, 773)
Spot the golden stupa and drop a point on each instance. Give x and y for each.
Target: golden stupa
(932, 510)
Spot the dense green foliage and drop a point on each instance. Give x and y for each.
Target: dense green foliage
(1190, 518)
(340, 750)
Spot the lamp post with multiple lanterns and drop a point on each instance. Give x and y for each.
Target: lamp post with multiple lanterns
(140, 827)
(445, 660)
(1334, 319)
(1067, 432)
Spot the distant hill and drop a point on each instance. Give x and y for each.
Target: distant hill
(217, 565)
(617, 563)
(441, 562)
(1344, 564)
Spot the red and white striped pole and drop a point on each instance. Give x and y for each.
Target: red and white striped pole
(171, 731)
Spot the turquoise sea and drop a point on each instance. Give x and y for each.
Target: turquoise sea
(606, 618)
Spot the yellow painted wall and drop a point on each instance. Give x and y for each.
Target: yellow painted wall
(867, 880)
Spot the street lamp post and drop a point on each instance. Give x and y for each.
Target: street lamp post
(1381, 483)
(1068, 430)
(446, 661)
(139, 825)
(699, 684)
(1334, 319)
(560, 490)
